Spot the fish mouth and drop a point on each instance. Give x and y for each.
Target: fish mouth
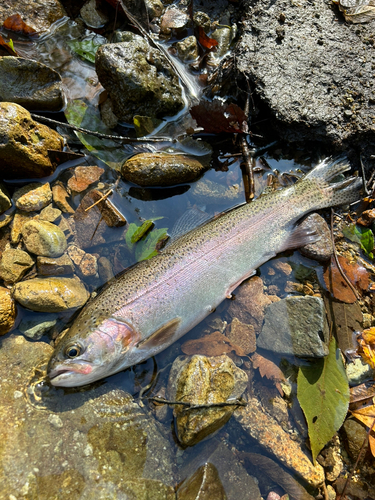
(59, 373)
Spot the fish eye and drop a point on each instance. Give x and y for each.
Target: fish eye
(73, 350)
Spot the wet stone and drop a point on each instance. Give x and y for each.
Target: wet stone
(33, 197)
(322, 249)
(51, 294)
(92, 16)
(14, 264)
(83, 177)
(161, 169)
(356, 435)
(24, 144)
(55, 266)
(85, 263)
(200, 380)
(37, 15)
(7, 311)
(20, 218)
(296, 326)
(204, 484)
(242, 335)
(6, 218)
(154, 8)
(60, 196)
(5, 202)
(138, 79)
(358, 371)
(207, 191)
(105, 269)
(111, 215)
(250, 302)
(187, 49)
(174, 19)
(268, 433)
(39, 325)
(43, 238)
(30, 84)
(50, 214)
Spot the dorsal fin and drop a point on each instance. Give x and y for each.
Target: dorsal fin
(161, 335)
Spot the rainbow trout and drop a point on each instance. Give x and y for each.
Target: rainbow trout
(157, 301)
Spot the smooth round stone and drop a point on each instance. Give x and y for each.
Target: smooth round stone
(34, 196)
(44, 238)
(7, 311)
(14, 264)
(51, 294)
(161, 169)
(5, 202)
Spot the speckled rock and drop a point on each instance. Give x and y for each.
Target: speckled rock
(38, 15)
(200, 380)
(20, 218)
(39, 325)
(242, 335)
(60, 196)
(204, 484)
(296, 326)
(30, 84)
(96, 444)
(50, 214)
(14, 264)
(33, 197)
(55, 266)
(5, 202)
(7, 311)
(250, 302)
(322, 249)
(51, 294)
(138, 79)
(160, 169)
(268, 433)
(85, 263)
(83, 177)
(24, 144)
(44, 238)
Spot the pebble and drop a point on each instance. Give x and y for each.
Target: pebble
(50, 214)
(161, 169)
(358, 371)
(55, 421)
(7, 311)
(44, 238)
(38, 326)
(33, 197)
(55, 266)
(242, 335)
(83, 177)
(14, 264)
(20, 218)
(187, 49)
(208, 192)
(105, 269)
(51, 294)
(24, 144)
(92, 16)
(278, 443)
(296, 326)
(60, 195)
(85, 263)
(5, 202)
(356, 435)
(322, 249)
(204, 484)
(200, 380)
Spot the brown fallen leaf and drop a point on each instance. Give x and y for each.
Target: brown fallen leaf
(15, 23)
(366, 415)
(366, 346)
(367, 218)
(268, 369)
(336, 284)
(218, 116)
(206, 41)
(214, 344)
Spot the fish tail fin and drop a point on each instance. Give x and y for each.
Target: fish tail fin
(334, 193)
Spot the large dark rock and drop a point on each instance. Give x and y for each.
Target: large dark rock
(312, 70)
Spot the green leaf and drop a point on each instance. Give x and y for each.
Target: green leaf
(142, 230)
(82, 114)
(129, 235)
(323, 393)
(10, 43)
(362, 235)
(146, 248)
(86, 48)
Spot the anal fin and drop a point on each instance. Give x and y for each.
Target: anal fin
(161, 335)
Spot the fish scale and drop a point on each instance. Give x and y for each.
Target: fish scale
(157, 301)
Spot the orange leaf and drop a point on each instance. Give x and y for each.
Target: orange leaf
(15, 23)
(336, 284)
(366, 415)
(214, 344)
(366, 346)
(206, 41)
(267, 368)
(371, 440)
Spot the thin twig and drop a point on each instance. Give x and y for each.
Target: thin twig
(357, 461)
(194, 407)
(110, 191)
(247, 170)
(363, 176)
(350, 284)
(98, 134)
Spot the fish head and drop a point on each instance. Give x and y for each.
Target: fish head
(81, 358)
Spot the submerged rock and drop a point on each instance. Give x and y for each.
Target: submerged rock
(207, 191)
(83, 177)
(39, 325)
(5, 202)
(44, 238)
(138, 79)
(30, 84)
(204, 484)
(14, 264)
(296, 326)
(92, 16)
(55, 266)
(24, 144)
(85, 263)
(60, 196)
(78, 445)
(7, 311)
(161, 169)
(38, 15)
(322, 249)
(201, 380)
(313, 97)
(33, 196)
(51, 294)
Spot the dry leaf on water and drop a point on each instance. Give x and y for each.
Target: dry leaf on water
(218, 116)
(214, 344)
(366, 416)
(16, 24)
(268, 369)
(336, 284)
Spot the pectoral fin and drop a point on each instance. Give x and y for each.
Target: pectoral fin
(161, 336)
